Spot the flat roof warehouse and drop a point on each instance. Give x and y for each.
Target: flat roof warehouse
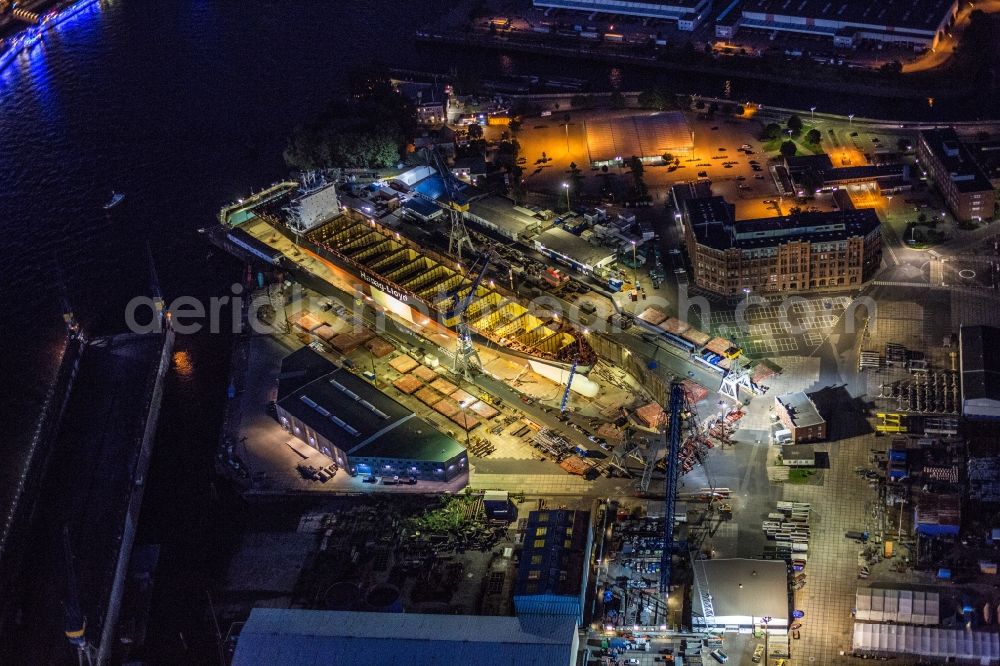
(354, 415)
(646, 136)
(916, 21)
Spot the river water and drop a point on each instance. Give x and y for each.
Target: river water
(184, 105)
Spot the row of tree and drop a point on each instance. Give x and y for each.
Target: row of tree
(369, 128)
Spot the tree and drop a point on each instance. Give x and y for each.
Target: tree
(811, 181)
(891, 69)
(617, 100)
(794, 123)
(788, 148)
(369, 130)
(772, 131)
(575, 176)
(700, 104)
(813, 136)
(653, 99)
(903, 144)
(636, 169)
(982, 135)
(507, 153)
(475, 131)
(668, 158)
(516, 186)
(579, 101)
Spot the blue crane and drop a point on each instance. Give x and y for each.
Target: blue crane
(673, 435)
(569, 385)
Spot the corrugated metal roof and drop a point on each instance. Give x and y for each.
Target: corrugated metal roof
(643, 136)
(304, 637)
(926, 641)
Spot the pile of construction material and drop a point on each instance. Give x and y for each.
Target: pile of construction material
(788, 528)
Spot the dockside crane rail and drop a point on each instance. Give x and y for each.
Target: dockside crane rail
(75, 626)
(673, 434)
(456, 205)
(154, 282)
(466, 356)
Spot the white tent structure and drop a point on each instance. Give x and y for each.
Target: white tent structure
(884, 639)
(897, 606)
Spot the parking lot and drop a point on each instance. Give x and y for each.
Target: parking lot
(772, 330)
(729, 169)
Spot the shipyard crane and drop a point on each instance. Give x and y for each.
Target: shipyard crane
(466, 356)
(673, 435)
(569, 380)
(456, 206)
(75, 627)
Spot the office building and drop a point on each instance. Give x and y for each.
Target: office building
(798, 413)
(828, 251)
(965, 187)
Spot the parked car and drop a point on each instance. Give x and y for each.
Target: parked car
(798, 614)
(758, 653)
(719, 656)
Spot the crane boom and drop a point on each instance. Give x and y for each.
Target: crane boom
(673, 434)
(569, 385)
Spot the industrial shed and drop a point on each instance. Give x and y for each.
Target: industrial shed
(980, 372)
(280, 637)
(928, 642)
(613, 141)
(897, 606)
(737, 593)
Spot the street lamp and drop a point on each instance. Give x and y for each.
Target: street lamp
(812, 111)
(635, 269)
(566, 187)
(850, 118)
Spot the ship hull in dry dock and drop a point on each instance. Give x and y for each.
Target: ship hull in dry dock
(383, 292)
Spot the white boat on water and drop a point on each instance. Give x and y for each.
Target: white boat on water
(116, 198)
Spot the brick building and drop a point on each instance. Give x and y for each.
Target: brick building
(798, 413)
(966, 188)
(831, 251)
